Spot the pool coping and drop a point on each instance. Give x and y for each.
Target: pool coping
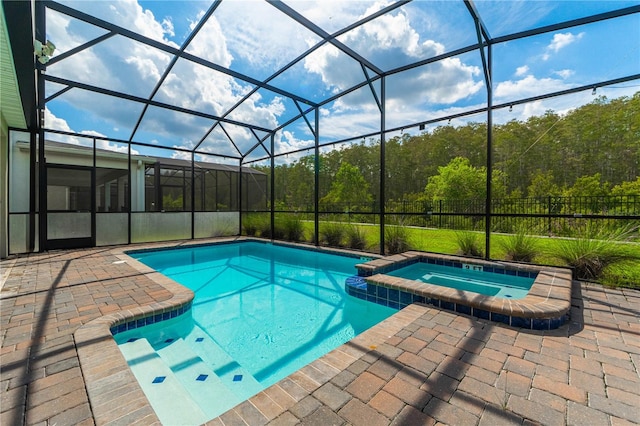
(546, 306)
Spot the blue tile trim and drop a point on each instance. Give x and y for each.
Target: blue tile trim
(505, 319)
(521, 322)
(541, 324)
(449, 306)
(151, 319)
(481, 313)
(463, 309)
(406, 298)
(450, 263)
(356, 286)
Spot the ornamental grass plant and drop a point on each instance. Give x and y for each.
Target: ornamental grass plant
(520, 247)
(356, 237)
(396, 239)
(332, 233)
(469, 244)
(595, 249)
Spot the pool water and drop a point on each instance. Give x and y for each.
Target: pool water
(489, 284)
(260, 313)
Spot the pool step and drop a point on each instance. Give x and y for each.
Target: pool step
(212, 395)
(233, 375)
(168, 397)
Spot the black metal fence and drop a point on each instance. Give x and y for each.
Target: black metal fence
(551, 215)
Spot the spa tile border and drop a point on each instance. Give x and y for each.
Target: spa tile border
(546, 306)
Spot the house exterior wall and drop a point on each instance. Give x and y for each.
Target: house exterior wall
(4, 187)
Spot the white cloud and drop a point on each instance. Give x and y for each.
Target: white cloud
(560, 41)
(287, 141)
(565, 73)
(56, 123)
(123, 65)
(527, 87)
(270, 40)
(387, 41)
(520, 71)
(333, 15)
(167, 27)
(531, 109)
(211, 43)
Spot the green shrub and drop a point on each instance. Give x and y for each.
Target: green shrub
(293, 228)
(332, 233)
(396, 239)
(469, 244)
(596, 249)
(356, 237)
(250, 225)
(265, 229)
(520, 247)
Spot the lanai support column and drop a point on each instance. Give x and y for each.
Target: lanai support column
(487, 220)
(383, 173)
(41, 35)
(316, 180)
(273, 183)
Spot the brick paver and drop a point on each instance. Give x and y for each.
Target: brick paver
(44, 299)
(422, 366)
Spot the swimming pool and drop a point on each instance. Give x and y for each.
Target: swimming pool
(261, 311)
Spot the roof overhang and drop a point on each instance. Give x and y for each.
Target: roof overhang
(18, 73)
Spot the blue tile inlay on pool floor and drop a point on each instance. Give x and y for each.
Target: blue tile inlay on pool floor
(159, 379)
(202, 377)
(237, 378)
(200, 339)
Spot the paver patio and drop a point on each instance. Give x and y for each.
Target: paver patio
(421, 366)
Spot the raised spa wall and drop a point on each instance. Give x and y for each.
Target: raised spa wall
(545, 307)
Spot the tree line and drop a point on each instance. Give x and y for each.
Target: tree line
(593, 150)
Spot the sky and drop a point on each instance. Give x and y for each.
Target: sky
(255, 40)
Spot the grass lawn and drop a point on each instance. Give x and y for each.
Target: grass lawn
(445, 241)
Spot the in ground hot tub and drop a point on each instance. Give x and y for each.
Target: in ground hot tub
(526, 296)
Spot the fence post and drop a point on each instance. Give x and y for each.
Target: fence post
(549, 216)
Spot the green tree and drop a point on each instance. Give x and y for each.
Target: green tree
(588, 186)
(459, 180)
(627, 188)
(542, 185)
(349, 186)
